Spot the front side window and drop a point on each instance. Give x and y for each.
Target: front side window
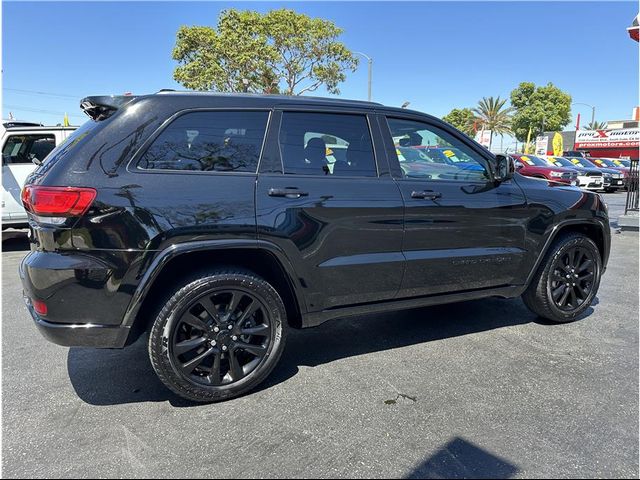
(220, 141)
(428, 152)
(326, 144)
(27, 148)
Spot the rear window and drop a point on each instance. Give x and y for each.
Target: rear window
(221, 141)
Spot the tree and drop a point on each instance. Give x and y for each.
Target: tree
(595, 125)
(463, 119)
(278, 52)
(539, 108)
(493, 116)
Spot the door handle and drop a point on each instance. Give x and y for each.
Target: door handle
(426, 195)
(287, 193)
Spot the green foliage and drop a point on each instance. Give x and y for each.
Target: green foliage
(595, 125)
(537, 104)
(462, 119)
(492, 114)
(279, 52)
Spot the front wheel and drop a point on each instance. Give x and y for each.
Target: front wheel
(567, 280)
(218, 336)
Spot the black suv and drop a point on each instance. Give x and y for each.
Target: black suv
(218, 222)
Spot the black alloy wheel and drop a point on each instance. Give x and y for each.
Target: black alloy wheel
(221, 337)
(573, 278)
(567, 280)
(218, 335)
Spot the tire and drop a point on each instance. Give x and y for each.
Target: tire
(239, 304)
(546, 291)
(609, 190)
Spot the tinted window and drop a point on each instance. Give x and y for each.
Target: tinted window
(27, 148)
(326, 144)
(428, 152)
(228, 141)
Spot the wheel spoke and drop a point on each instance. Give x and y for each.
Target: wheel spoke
(558, 291)
(257, 350)
(188, 345)
(588, 276)
(252, 308)
(210, 308)
(214, 374)
(585, 265)
(194, 321)
(258, 330)
(565, 295)
(233, 303)
(584, 291)
(190, 366)
(235, 369)
(574, 298)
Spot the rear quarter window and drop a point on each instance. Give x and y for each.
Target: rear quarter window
(220, 141)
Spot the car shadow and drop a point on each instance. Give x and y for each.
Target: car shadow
(108, 377)
(460, 458)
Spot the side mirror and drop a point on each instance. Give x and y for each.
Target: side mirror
(505, 167)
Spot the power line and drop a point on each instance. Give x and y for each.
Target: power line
(36, 110)
(48, 94)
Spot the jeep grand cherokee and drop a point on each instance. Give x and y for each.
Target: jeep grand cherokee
(214, 223)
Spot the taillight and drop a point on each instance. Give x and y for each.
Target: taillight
(40, 307)
(57, 201)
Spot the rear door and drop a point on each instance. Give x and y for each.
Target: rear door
(328, 201)
(463, 231)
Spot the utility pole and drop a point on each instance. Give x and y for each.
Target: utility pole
(370, 61)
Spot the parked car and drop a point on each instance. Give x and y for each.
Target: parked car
(532, 166)
(613, 178)
(451, 156)
(212, 222)
(23, 147)
(621, 162)
(576, 153)
(589, 178)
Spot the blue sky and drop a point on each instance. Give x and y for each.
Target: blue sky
(438, 56)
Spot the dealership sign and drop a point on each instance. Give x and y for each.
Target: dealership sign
(619, 138)
(541, 145)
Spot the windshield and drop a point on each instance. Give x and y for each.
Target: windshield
(581, 162)
(531, 160)
(604, 163)
(561, 162)
(622, 163)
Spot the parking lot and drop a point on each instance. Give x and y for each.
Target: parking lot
(477, 389)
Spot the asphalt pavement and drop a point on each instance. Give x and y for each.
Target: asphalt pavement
(476, 389)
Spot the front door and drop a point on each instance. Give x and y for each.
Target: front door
(331, 209)
(463, 231)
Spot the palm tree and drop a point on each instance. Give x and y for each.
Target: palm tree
(493, 116)
(595, 125)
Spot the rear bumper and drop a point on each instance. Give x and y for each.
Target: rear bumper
(79, 335)
(83, 307)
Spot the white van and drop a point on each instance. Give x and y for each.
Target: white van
(24, 147)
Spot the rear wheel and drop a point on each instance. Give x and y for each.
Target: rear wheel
(218, 336)
(567, 280)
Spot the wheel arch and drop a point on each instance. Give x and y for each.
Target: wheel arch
(179, 261)
(591, 229)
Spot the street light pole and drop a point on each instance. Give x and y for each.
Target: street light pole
(593, 111)
(370, 61)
